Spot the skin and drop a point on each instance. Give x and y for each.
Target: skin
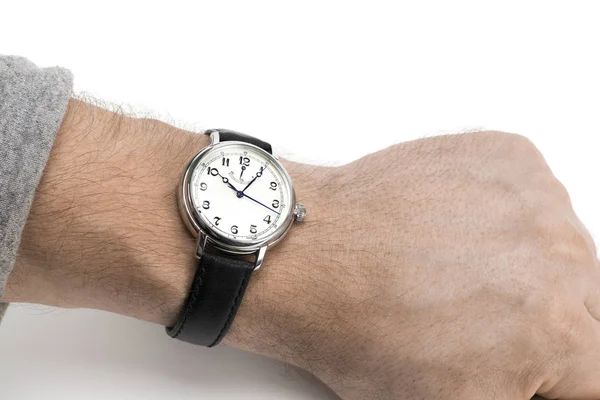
(450, 267)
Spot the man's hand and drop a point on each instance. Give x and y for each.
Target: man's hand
(445, 268)
(451, 267)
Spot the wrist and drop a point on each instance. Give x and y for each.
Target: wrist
(282, 305)
(104, 232)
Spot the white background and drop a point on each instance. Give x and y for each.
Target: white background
(329, 81)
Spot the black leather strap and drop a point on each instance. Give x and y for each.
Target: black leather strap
(216, 294)
(226, 135)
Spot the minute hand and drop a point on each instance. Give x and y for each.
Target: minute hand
(258, 174)
(256, 201)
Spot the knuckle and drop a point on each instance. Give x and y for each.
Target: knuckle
(517, 141)
(521, 201)
(563, 242)
(560, 323)
(522, 149)
(514, 145)
(554, 189)
(567, 328)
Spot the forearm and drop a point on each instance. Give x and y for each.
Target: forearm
(104, 231)
(96, 233)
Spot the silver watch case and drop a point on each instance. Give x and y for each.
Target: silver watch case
(205, 233)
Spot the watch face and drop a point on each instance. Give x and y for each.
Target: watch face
(239, 194)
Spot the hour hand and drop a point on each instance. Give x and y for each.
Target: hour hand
(233, 187)
(226, 181)
(237, 192)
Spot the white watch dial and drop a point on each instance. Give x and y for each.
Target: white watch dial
(240, 192)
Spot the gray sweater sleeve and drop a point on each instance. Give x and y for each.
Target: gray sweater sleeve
(33, 102)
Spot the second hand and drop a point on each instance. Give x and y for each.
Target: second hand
(258, 202)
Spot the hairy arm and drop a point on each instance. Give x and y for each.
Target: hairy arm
(104, 231)
(448, 267)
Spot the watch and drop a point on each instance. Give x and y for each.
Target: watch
(238, 200)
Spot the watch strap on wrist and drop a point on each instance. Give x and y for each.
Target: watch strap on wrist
(219, 283)
(217, 291)
(226, 135)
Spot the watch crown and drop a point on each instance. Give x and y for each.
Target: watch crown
(299, 212)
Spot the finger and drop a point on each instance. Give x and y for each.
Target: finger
(579, 378)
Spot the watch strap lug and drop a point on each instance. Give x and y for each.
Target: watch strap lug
(215, 136)
(260, 257)
(201, 245)
(226, 135)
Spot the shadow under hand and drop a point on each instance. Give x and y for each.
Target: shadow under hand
(76, 352)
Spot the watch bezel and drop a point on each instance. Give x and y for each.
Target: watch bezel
(197, 225)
